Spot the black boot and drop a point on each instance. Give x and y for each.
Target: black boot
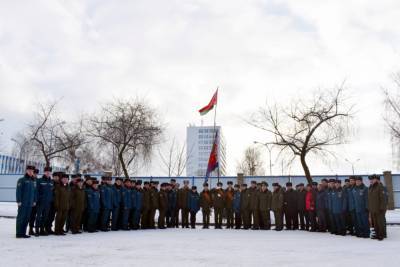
(43, 232)
(31, 232)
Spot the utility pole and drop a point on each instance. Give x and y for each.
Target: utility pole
(352, 163)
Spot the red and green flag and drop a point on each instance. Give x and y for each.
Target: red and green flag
(210, 105)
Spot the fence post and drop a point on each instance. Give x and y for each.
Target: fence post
(240, 178)
(389, 186)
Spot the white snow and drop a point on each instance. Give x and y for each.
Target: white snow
(197, 247)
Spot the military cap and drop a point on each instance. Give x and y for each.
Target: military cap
(275, 184)
(205, 184)
(194, 187)
(219, 184)
(79, 180)
(352, 177)
(332, 180)
(139, 182)
(358, 178)
(346, 180)
(264, 183)
(236, 186)
(48, 169)
(185, 181)
(324, 180)
(156, 182)
(133, 181)
(103, 178)
(289, 184)
(73, 176)
(301, 184)
(244, 185)
(95, 181)
(314, 183)
(172, 180)
(253, 182)
(374, 176)
(64, 175)
(57, 174)
(146, 183)
(30, 167)
(86, 176)
(338, 181)
(127, 180)
(230, 182)
(118, 179)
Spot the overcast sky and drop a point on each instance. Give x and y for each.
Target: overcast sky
(175, 53)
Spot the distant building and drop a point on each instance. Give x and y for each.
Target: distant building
(199, 141)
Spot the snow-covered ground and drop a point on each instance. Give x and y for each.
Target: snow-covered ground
(197, 247)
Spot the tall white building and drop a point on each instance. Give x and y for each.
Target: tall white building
(199, 141)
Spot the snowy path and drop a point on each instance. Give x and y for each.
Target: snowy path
(188, 247)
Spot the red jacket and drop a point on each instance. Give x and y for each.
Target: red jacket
(310, 201)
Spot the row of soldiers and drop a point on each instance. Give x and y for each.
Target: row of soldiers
(91, 205)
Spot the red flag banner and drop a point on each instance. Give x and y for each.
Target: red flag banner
(210, 105)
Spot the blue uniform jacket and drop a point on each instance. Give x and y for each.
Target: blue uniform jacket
(194, 202)
(26, 192)
(117, 196)
(138, 199)
(45, 188)
(360, 196)
(349, 198)
(126, 198)
(321, 201)
(236, 201)
(106, 196)
(338, 201)
(93, 200)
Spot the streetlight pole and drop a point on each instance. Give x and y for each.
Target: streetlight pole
(269, 148)
(78, 155)
(352, 163)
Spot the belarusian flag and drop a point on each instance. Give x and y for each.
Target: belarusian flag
(210, 105)
(213, 159)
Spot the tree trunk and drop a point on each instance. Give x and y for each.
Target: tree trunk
(305, 168)
(121, 160)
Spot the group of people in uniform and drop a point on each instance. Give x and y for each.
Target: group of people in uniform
(79, 204)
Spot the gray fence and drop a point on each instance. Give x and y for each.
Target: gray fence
(8, 182)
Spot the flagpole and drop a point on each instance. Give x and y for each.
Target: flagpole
(216, 136)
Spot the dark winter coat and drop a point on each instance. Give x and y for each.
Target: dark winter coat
(290, 200)
(45, 186)
(26, 193)
(93, 200)
(360, 196)
(106, 196)
(265, 199)
(62, 197)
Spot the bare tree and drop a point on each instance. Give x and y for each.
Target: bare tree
(174, 158)
(50, 136)
(129, 127)
(252, 163)
(307, 126)
(392, 112)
